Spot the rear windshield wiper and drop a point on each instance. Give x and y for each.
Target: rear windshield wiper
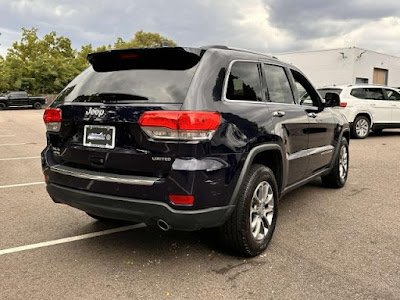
(109, 97)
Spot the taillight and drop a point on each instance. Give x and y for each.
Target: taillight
(343, 104)
(182, 199)
(180, 125)
(52, 119)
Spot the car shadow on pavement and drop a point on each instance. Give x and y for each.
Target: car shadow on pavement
(157, 243)
(384, 134)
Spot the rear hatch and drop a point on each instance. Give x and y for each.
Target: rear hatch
(101, 108)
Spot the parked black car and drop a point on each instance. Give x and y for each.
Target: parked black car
(191, 138)
(21, 99)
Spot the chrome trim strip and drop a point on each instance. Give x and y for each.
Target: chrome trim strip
(105, 177)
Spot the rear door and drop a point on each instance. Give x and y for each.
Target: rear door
(321, 125)
(290, 120)
(102, 106)
(393, 98)
(377, 105)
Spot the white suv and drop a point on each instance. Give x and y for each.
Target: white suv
(367, 107)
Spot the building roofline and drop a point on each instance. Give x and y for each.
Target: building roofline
(335, 49)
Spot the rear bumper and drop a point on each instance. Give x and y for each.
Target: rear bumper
(138, 210)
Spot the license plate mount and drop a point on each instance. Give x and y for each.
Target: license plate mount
(99, 136)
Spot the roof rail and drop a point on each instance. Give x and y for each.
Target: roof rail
(235, 49)
(214, 47)
(251, 51)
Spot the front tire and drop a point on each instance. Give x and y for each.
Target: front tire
(361, 127)
(338, 176)
(249, 229)
(2, 106)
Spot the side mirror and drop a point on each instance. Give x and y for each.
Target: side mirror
(332, 99)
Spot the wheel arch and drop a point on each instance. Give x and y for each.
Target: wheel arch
(367, 115)
(344, 134)
(270, 155)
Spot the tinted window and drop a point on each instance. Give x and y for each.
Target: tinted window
(368, 93)
(305, 94)
(154, 86)
(323, 92)
(278, 85)
(392, 95)
(19, 95)
(244, 82)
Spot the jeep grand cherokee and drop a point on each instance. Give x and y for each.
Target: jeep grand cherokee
(191, 138)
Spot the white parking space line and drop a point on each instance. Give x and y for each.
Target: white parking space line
(7, 135)
(71, 239)
(18, 158)
(20, 184)
(16, 144)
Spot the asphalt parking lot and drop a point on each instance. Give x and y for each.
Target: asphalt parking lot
(328, 244)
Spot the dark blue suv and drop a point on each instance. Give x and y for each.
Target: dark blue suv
(191, 138)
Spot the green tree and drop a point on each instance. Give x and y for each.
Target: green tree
(41, 65)
(46, 65)
(144, 40)
(4, 76)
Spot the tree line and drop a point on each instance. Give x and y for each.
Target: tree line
(46, 65)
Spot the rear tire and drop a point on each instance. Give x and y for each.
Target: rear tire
(361, 127)
(37, 105)
(338, 176)
(2, 106)
(250, 227)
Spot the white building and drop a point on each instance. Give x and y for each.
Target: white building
(346, 66)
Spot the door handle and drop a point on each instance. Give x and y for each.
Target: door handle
(312, 115)
(278, 114)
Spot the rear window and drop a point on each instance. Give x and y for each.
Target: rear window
(146, 79)
(323, 92)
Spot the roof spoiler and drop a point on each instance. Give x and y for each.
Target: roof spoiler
(165, 58)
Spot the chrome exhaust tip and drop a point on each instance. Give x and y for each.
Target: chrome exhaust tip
(164, 226)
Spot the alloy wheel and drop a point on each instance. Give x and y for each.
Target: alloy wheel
(261, 210)
(362, 127)
(343, 162)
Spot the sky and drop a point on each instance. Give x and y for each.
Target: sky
(268, 26)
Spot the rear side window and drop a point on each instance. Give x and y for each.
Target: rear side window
(244, 82)
(368, 93)
(150, 76)
(278, 85)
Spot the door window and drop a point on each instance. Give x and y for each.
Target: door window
(278, 85)
(244, 82)
(392, 95)
(368, 93)
(305, 94)
(18, 95)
